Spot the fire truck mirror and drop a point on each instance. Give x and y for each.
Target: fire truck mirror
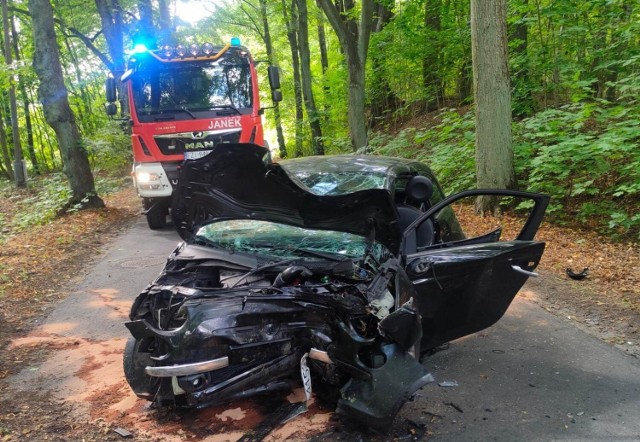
(111, 109)
(274, 78)
(276, 96)
(110, 86)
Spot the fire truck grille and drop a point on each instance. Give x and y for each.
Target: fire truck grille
(173, 144)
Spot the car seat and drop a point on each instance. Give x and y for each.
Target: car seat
(418, 193)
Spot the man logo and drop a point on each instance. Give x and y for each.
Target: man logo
(199, 145)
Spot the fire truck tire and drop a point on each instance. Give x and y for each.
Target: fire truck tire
(157, 217)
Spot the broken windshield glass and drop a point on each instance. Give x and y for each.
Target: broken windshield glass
(282, 240)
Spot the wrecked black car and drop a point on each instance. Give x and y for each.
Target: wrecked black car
(337, 271)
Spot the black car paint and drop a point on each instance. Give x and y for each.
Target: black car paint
(264, 328)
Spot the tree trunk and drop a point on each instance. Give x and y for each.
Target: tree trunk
(297, 82)
(354, 41)
(324, 62)
(383, 100)
(305, 72)
(25, 105)
(523, 104)
(113, 29)
(55, 103)
(20, 177)
(146, 33)
(6, 157)
(431, 80)
(282, 147)
(494, 153)
(165, 34)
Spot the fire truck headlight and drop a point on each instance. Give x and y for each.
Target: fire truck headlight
(147, 177)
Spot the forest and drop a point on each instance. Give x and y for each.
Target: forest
(574, 70)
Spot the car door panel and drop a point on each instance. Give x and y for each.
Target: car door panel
(466, 289)
(465, 286)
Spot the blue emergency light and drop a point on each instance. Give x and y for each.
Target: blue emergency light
(235, 41)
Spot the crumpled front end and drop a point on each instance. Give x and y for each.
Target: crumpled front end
(212, 346)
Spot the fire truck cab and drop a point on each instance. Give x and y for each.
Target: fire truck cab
(184, 101)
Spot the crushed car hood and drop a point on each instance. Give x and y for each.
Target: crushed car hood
(239, 181)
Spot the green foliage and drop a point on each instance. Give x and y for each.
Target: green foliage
(447, 146)
(49, 195)
(109, 148)
(584, 155)
(47, 198)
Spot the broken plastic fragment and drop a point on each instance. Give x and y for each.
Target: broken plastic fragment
(122, 432)
(448, 384)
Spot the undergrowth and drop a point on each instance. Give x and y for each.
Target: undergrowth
(586, 156)
(45, 199)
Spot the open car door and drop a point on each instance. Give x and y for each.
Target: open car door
(465, 277)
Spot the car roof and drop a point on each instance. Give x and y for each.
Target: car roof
(348, 163)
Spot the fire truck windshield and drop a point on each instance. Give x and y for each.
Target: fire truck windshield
(191, 89)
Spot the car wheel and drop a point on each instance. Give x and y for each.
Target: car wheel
(157, 216)
(134, 363)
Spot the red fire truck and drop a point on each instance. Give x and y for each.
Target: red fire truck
(183, 102)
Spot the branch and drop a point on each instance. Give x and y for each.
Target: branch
(89, 44)
(333, 15)
(75, 33)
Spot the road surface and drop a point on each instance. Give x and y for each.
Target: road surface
(532, 376)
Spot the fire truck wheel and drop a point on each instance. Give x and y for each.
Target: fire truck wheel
(157, 217)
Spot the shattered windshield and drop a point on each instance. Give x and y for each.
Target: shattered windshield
(338, 183)
(187, 87)
(281, 240)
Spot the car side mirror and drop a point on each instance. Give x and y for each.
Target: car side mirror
(111, 92)
(276, 95)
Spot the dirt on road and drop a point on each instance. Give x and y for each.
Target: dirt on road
(42, 266)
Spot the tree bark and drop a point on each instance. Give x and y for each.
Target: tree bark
(55, 103)
(431, 79)
(306, 75)
(291, 23)
(113, 30)
(383, 100)
(25, 105)
(6, 157)
(20, 177)
(282, 147)
(494, 153)
(354, 40)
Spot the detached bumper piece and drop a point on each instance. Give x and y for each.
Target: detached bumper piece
(375, 401)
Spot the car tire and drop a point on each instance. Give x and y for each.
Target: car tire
(157, 216)
(134, 363)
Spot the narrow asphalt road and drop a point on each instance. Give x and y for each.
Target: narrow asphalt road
(532, 376)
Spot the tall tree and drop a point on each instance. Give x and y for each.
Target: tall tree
(494, 152)
(20, 177)
(55, 103)
(354, 39)
(266, 38)
(291, 21)
(307, 78)
(26, 103)
(113, 29)
(431, 79)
